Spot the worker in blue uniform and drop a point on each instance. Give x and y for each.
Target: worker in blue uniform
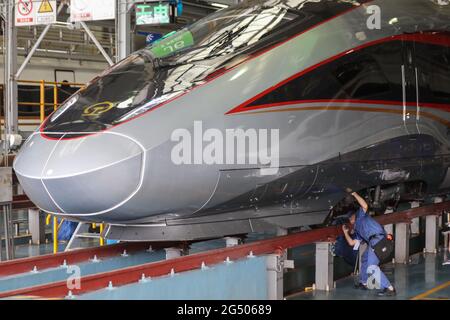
(371, 232)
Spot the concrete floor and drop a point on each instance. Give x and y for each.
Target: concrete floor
(25, 251)
(425, 278)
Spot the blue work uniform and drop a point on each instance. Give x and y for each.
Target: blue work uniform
(371, 232)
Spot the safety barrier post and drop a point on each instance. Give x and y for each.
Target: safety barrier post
(324, 267)
(102, 240)
(431, 234)
(402, 234)
(55, 97)
(42, 101)
(37, 226)
(55, 234)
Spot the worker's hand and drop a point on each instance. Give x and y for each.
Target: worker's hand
(345, 228)
(349, 190)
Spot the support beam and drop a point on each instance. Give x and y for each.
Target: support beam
(36, 45)
(446, 247)
(446, 239)
(1, 249)
(6, 199)
(32, 51)
(440, 218)
(10, 88)
(389, 228)
(431, 234)
(283, 232)
(415, 223)
(9, 237)
(275, 289)
(324, 267)
(97, 43)
(36, 222)
(430, 268)
(402, 235)
(123, 27)
(231, 242)
(172, 253)
(401, 276)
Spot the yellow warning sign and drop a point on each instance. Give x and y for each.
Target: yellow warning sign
(45, 7)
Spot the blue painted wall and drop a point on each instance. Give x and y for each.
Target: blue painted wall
(241, 280)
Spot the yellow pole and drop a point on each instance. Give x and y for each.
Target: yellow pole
(55, 97)
(102, 241)
(42, 101)
(55, 234)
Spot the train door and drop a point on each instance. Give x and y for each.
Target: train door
(410, 89)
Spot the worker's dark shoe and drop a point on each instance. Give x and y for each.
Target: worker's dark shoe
(387, 293)
(361, 286)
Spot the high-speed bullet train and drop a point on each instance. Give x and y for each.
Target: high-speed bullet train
(256, 117)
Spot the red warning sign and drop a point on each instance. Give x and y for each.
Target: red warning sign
(25, 7)
(35, 12)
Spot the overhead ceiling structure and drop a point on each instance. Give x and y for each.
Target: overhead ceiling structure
(70, 41)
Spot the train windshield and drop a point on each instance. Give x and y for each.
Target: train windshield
(185, 59)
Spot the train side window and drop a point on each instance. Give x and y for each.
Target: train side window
(371, 73)
(317, 85)
(433, 64)
(363, 79)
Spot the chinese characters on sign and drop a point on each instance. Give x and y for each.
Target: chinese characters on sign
(35, 12)
(88, 10)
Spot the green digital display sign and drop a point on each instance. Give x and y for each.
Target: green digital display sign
(152, 13)
(172, 43)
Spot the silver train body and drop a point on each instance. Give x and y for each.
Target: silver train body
(359, 93)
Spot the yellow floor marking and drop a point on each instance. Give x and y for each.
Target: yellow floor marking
(430, 292)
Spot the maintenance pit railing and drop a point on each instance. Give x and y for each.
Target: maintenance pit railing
(274, 248)
(37, 99)
(43, 87)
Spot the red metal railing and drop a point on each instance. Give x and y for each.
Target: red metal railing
(192, 262)
(18, 266)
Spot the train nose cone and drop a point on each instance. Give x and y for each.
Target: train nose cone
(84, 176)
